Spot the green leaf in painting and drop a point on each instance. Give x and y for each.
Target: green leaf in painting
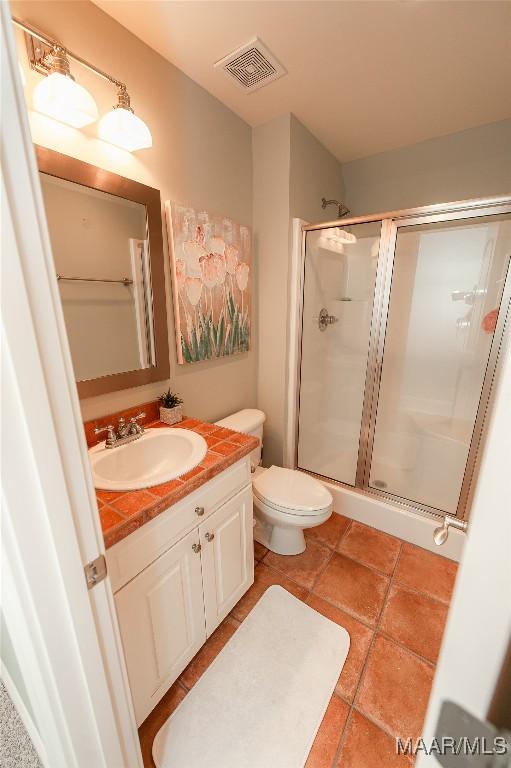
(220, 336)
(186, 350)
(195, 346)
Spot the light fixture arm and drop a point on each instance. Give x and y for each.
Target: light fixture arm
(123, 99)
(56, 45)
(54, 94)
(58, 61)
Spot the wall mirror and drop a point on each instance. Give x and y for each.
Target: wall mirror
(106, 236)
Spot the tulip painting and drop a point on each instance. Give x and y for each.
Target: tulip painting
(211, 274)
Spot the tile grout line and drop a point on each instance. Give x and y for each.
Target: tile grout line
(320, 597)
(364, 667)
(321, 571)
(309, 592)
(376, 627)
(275, 569)
(342, 738)
(365, 564)
(378, 630)
(322, 545)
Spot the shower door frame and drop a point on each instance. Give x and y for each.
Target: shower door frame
(391, 222)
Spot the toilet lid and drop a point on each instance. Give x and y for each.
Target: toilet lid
(292, 490)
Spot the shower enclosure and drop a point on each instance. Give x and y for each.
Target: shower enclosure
(403, 317)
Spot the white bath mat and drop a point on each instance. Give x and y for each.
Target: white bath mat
(260, 703)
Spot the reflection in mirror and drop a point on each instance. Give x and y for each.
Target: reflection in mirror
(101, 250)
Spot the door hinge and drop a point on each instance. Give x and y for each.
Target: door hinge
(95, 571)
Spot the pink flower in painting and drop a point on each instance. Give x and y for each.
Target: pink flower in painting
(231, 256)
(193, 251)
(180, 274)
(221, 269)
(217, 245)
(242, 271)
(193, 289)
(209, 269)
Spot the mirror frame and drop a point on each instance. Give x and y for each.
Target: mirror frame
(71, 169)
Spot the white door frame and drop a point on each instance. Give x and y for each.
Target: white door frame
(66, 637)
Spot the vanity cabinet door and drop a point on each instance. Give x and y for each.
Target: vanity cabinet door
(227, 557)
(161, 616)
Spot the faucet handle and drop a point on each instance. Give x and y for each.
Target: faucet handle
(110, 438)
(99, 430)
(134, 427)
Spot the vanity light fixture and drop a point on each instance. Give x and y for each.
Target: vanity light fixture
(60, 97)
(122, 127)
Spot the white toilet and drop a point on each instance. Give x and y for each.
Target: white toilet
(286, 501)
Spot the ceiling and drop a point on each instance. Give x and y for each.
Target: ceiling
(363, 76)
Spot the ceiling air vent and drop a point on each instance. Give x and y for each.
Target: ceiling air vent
(252, 66)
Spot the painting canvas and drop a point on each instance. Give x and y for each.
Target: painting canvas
(211, 277)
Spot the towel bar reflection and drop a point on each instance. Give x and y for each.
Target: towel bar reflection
(124, 280)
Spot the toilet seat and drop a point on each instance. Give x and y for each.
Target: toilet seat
(291, 492)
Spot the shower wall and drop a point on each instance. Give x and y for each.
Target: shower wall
(334, 361)
(425, 375)
(447, 278)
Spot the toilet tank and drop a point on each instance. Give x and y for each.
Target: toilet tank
(250, 421)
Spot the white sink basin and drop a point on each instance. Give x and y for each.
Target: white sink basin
(156, 457)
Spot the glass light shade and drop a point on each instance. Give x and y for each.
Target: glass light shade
(58, 96)
(124, 129)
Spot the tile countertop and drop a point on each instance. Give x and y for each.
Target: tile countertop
(122, 512)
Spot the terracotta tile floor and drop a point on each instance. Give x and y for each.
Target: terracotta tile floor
(392, 597)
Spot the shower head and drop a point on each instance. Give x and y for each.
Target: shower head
(339, 235)
(342, 210)
(441, 533)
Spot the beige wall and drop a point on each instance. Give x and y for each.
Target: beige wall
(201, 156)
(469, 164)
(271, 159)
(292, 172)
(314, 173)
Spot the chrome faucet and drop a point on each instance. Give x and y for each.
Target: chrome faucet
(126, 432)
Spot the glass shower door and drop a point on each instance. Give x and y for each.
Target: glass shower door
(447, 287)
(339, 287)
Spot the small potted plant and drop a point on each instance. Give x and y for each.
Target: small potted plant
(171, 411)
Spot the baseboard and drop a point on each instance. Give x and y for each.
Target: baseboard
(410, 526)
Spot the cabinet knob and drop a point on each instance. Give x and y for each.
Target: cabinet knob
(196, 548)
(199, 511)
(210, 536)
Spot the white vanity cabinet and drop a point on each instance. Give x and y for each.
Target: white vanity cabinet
(227, 556)
(177, 577)
(161, 616)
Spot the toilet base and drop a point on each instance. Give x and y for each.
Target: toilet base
(282, 541)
